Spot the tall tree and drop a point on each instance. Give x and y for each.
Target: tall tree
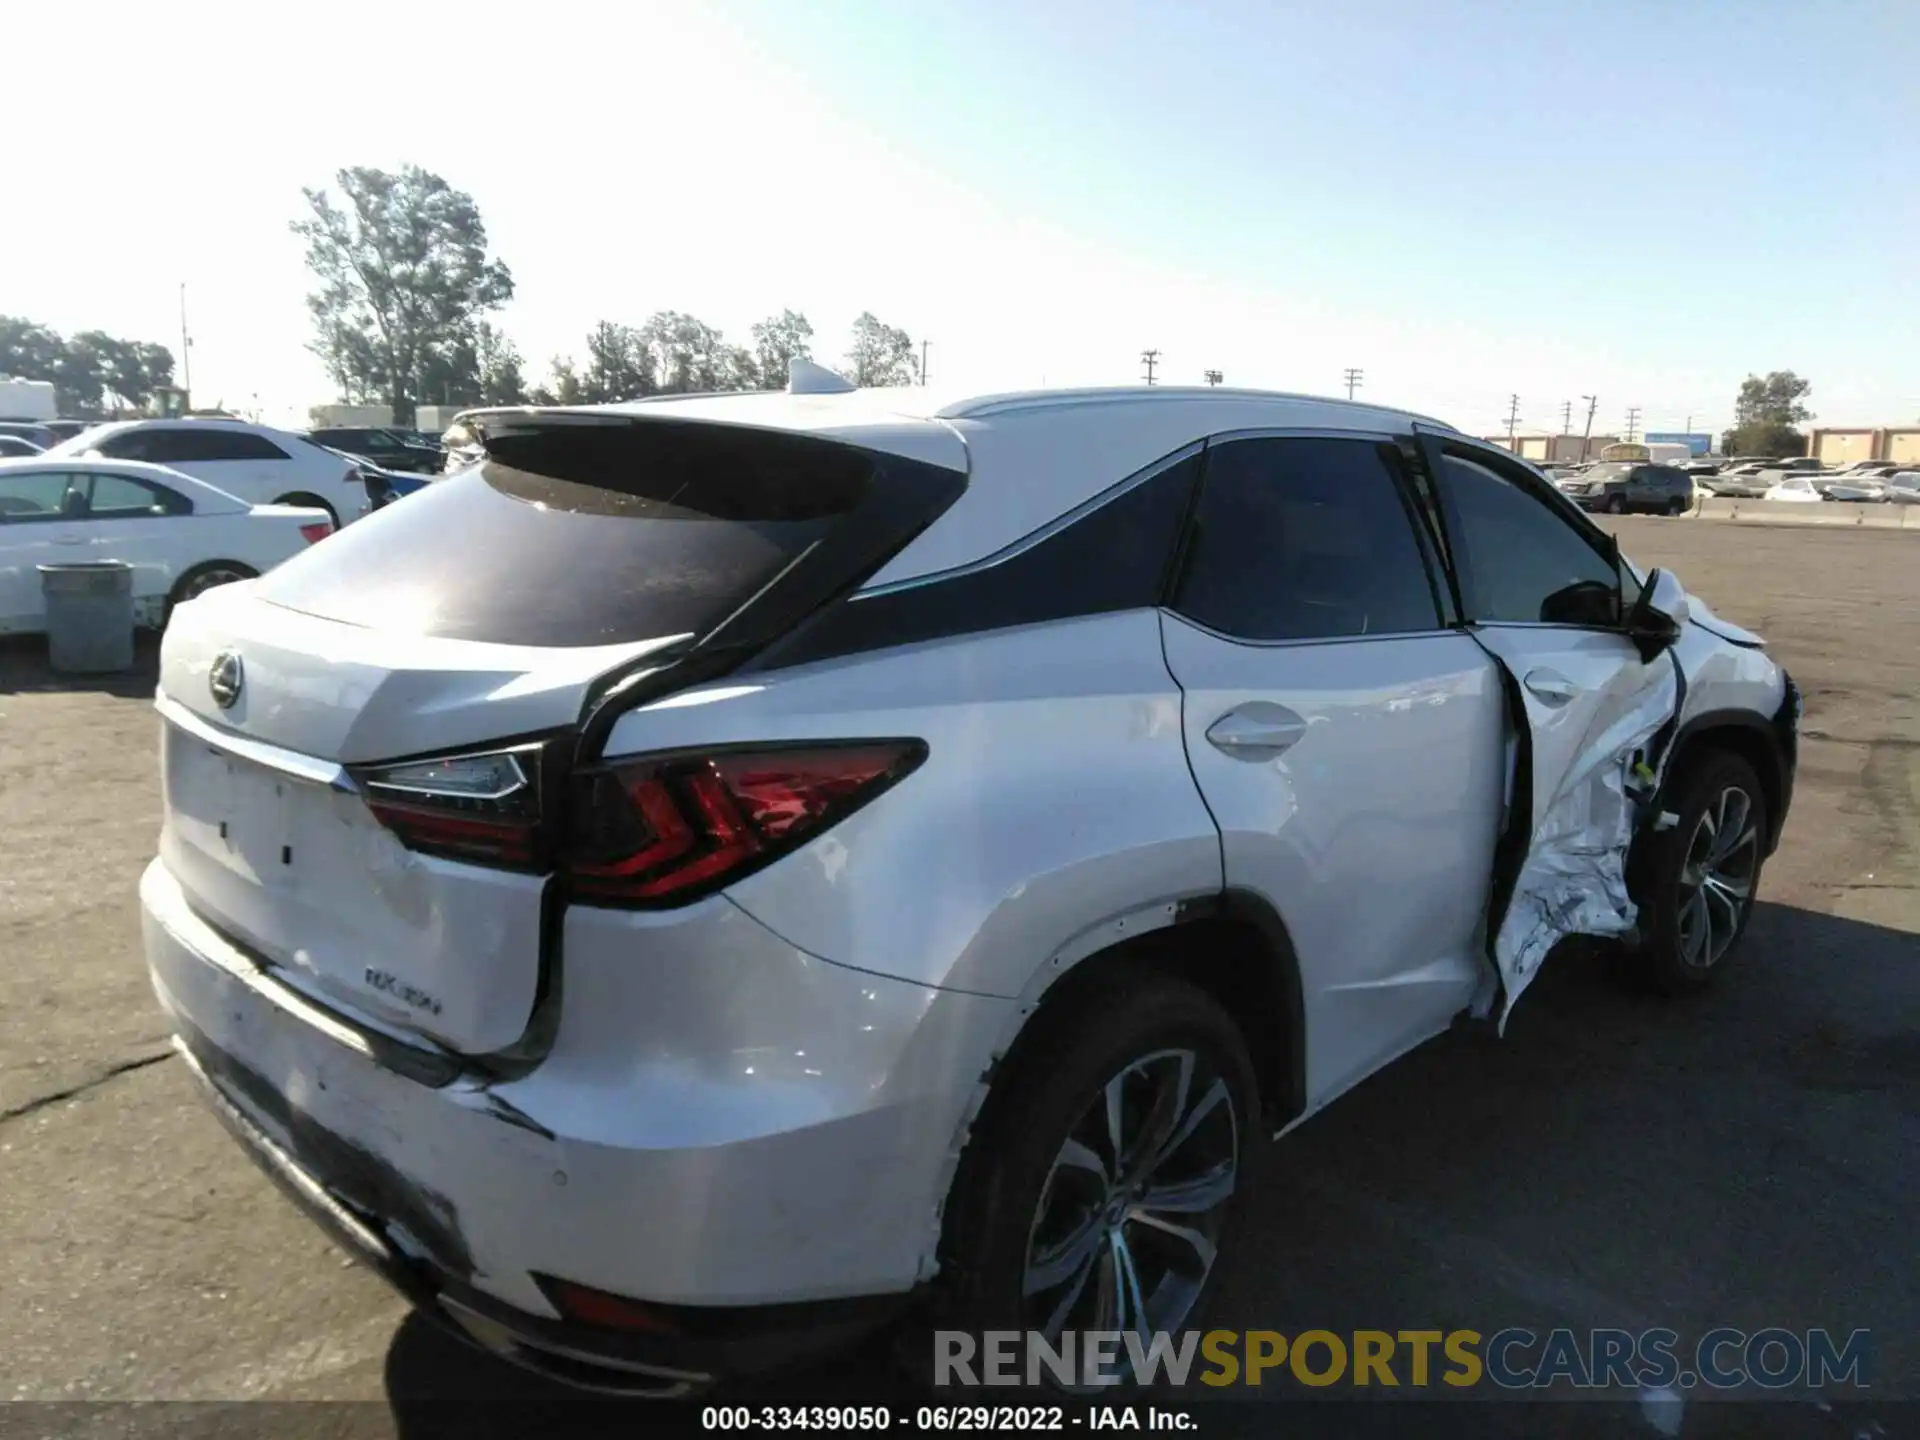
(619, 365)
(1766, 415)
(404, 277)
(500, 379)
(563, 385)
(881, 354)
(777, 340)
(687, 353)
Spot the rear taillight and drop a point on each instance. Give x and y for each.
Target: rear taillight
(483, 808)
(317, 532)
(664, 829)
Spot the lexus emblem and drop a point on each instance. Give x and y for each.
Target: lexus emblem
(225, 678)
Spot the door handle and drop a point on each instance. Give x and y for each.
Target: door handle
(1551, 686)
(1257, 730)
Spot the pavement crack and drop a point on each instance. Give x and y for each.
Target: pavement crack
(126, 1067)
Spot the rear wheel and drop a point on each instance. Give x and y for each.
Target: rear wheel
(1099, 1188)
(1678, 507)
(1700, 876)
(202, 578)
(311, 502)
(1616, 505)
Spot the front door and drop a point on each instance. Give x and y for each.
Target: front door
(1349, 747)
(1541, 588)
(37, 527)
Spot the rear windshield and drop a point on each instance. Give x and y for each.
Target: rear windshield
(584, 535)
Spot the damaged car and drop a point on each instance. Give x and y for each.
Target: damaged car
(725, 874)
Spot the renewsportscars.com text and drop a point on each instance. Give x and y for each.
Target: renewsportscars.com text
(1510, 1359)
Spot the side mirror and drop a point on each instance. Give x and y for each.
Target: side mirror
(1658, 615)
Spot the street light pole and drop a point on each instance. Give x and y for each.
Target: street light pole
(186, 354)
(1586, 435)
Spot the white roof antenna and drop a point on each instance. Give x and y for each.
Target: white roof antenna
(806, 378)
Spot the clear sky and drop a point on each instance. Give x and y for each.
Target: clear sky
(1640, 201)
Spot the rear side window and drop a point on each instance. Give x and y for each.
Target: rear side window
(1114, 555)
(1305, 539)
(120, 497)
(586, 535)
(185, 443)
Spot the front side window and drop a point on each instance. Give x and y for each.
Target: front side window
(1524, 561)
(1304, 539)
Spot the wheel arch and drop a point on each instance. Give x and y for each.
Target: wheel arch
(1753, 739)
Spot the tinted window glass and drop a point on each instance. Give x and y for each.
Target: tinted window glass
(585, 536)
(1525, 561)
(1304, 539)
(37, 495)
(1114, 557)
(120, 496)
(182, 444)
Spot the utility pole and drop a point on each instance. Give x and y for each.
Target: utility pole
(1354, 380)
(1633, 420)
(186, 354)
(1150, 358)
(923, 362)
(1593, 403)
(1214, 377)
(1513, 418)
(1566, 417)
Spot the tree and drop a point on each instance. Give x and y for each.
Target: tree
(500, 380)
(1765, 416)
(91, 373)
(564, 387)
(619, 365)
(881, 355)
(688, 354)
(776, 341)
(404, 280)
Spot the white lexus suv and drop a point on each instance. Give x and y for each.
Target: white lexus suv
(726, 870)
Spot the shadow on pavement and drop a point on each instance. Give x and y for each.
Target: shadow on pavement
(24, 668)
(1742, 1157)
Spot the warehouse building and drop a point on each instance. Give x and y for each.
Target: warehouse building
(1838, 446)
(1554, 449)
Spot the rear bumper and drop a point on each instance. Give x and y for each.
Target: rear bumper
(763, 1200)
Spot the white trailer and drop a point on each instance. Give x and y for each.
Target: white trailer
(27, 400)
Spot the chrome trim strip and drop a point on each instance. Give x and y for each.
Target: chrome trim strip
(258, 752)
(1045, 532)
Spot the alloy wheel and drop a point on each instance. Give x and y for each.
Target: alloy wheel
(1128, 1223)
(1716, 878)
(209, 578)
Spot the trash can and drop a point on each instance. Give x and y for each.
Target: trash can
(89, 616)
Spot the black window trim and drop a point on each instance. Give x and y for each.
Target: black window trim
(1437, 443)
(1440, 581)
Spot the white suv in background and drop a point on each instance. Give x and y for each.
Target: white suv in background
(724, 870)
(261, 465)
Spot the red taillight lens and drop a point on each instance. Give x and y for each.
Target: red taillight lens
(317, 532)
(597, 1307)
(482, 808)
(663, 830)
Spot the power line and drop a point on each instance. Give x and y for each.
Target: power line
(1633, 421)
(1150, 358)
(923, 362)
(1513, 417)
(1566, 417)
(1593, 404)
(1354, 379)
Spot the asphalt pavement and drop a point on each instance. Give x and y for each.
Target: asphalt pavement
(1749, 1158)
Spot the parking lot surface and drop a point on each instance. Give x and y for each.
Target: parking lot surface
(1746, 1158)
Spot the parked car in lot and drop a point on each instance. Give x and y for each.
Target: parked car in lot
(1903, 488)
(259, 464)
(1865, 488)
(181, 536)
(31, 431)
(723, 872)
(1748, 482)
(1792, 488)
(1620, 487)
(391, 450)
(386, 486)
(14, 446)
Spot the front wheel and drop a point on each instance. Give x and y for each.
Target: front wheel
(1099, 1189)
(1700, 876)
(1616, 505)
(1678, 508)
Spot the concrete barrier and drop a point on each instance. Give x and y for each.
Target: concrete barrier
(1826, 513)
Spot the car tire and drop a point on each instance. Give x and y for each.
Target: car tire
(1697, 881)
(308, 501)
(1616, 505)
(1036, 1196)
(1678, 508)
(202, 578)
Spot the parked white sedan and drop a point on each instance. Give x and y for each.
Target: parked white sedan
(181, 535)
(1794, 488)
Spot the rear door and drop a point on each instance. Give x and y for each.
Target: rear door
(1541, 588)
(1347, 742)
(365, 749)
(142, 523)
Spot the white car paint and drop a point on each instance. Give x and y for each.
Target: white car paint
(258, 463)
(780, 1076)
(188, 525)
(1794, 489)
